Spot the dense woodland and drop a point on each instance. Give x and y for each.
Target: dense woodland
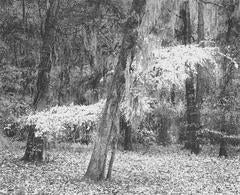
(119, 96)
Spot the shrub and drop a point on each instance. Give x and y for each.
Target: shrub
(72, 122)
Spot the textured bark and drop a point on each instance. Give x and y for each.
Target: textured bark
(173, 95)
(200, 28)
(224, 95)
(191, 112)
(192, 117)
(97, 162)
(126, 128)
(185, 15)
(163, 136)
(35, 146)
(128, 139)
(199, 85)
(64, 93)
(114, 148)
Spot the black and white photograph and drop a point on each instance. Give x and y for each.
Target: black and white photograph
(119, 97)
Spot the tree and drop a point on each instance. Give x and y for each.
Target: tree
(228, 69)
(96, 167)
(34, 150)
(126, 128)
(191, 111)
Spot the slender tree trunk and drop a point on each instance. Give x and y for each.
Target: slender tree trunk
(24, 19)
(227, 77)
(199, 87)
(127, 129)
(163, 134)
(191, 112)
(15, 50)
(35, 145)
(173, 94)
(63, 93)
(96, 167)
(192, 117)
(128, 139)
(114, 149)
(200, 29)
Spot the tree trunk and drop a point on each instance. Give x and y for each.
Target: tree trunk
(200, 29)
(128, 139)
(191, 112)
(127, 129)
(185, 15)
(192, 117)
(173, 94)
(34, 150)
(96, 167)
(224, 96)
(114, 148)
(163, 135)
(63, 93)
(199, 85)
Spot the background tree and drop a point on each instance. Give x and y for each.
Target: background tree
(34, 150)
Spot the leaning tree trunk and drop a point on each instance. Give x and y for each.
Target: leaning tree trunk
(96, 167)
(35, 146)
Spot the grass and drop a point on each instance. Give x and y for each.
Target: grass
(159, 171)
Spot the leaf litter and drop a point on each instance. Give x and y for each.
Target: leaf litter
(160, 171)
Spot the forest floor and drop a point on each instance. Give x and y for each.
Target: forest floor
(159, 171)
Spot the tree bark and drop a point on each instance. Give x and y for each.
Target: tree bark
(63, 93)
(114, 149)
(200, 29)
(199, 87)
(35, 145)
(128, 139)
(127, 129)
(191, 112)
(192, 117)
(173, 94)
(224, 95)
(163, 135)
(96, 167)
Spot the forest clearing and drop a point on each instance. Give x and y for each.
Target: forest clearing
(119, 97)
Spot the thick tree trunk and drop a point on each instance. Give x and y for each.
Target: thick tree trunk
(96, 167)
(35, 146)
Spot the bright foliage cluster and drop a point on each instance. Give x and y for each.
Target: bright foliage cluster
(55, 122)
(163, 67)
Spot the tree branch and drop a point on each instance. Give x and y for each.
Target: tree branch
(208, 2)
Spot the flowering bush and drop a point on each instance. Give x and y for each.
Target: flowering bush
(59, 121)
